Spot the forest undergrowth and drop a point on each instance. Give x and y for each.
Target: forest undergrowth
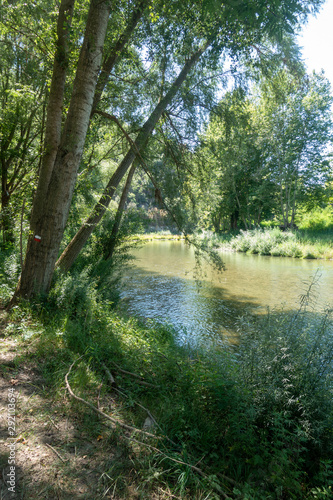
(249, 421)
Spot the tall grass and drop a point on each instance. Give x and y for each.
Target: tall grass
(260, 414)
(273, 241)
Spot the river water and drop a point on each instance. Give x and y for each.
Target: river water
(160, 285)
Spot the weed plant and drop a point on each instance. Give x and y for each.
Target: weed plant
(273, 241)
(10, 269)
(260, 413)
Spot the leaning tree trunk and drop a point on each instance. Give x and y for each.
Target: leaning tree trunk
(48, 223)
(119, 214)
(73, 249)
(116, 50)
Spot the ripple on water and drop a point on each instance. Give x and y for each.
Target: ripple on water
(161, 286)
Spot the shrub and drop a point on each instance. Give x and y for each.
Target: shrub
(262, 242)
(317, 219)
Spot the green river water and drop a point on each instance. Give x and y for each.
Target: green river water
(161, 286)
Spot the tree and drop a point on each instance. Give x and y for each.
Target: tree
(192, 28)
(236, 187)
(23, 82)
(119, 214)
(295, 123)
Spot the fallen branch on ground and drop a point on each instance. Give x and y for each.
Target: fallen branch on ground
(134, 429)
(138, 377)
(109, 375)
(113, 382)
(92, 407)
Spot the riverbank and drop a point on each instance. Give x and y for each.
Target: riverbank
(111, 407)
(160, 235)
(301, 244)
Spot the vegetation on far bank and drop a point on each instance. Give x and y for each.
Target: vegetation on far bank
(312, 239)
(278, 243)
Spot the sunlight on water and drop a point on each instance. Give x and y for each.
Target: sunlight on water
(161, 286)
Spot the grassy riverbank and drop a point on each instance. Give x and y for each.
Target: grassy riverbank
(159, 235)
(302, 244)
(253, 422)
(309, 242)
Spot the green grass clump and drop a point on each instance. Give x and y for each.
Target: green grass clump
(264, 242)
(303, 244)
(256, 419)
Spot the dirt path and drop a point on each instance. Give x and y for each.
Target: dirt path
(41, 444)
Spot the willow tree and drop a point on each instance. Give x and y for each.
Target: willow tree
(296, 131)
(196, 29)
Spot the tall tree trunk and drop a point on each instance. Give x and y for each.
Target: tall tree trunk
(48, 222)
(6, 226)
(234, 219)
(113, 55)
(120, 211)
(55, 106)
(75, 246)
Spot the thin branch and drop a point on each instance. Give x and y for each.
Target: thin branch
(113, 382)
(58, 454)
(138, 377)
(108, 373)
(21, 234)
(101, 413)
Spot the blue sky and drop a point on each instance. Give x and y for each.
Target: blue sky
(317, 41)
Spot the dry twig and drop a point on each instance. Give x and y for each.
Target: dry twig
(138, 377)
(109, 375)
(113, 420)
(112, 380)
(58, 454)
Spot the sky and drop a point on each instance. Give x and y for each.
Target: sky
(317, 41)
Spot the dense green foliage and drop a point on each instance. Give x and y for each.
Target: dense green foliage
(243, 142)
(267, 153)
(256, 418)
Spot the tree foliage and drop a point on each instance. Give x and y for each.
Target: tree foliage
(142, 64)
(266, 151)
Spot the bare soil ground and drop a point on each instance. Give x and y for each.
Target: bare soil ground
(55, 458)
(52, 458)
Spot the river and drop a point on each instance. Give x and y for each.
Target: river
(160, 285)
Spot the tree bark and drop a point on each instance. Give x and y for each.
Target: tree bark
(120, 211)
(73, 249)
(6, 226)
(55, 106)
(48, 222)
(117, 49)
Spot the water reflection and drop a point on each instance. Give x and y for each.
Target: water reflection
(161, 286)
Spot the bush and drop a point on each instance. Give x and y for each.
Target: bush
(263, 242)
(10, 269)
(317, 219)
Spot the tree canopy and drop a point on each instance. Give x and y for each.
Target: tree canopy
(97, 85)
